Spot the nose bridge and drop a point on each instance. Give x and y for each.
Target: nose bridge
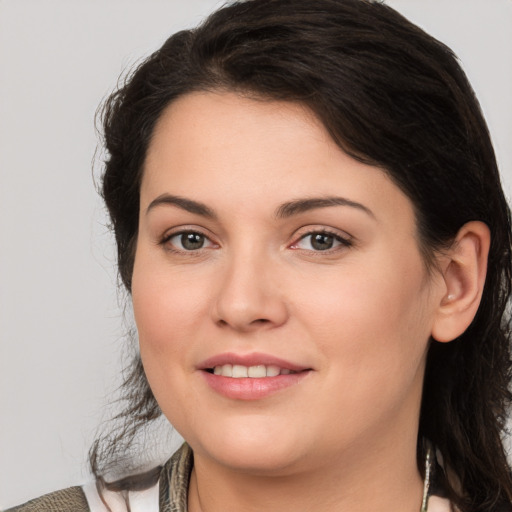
(249, 294)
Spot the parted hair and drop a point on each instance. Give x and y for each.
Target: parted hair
(390, 95)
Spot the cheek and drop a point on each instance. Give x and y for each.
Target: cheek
(372, 319)
(372, 330)
(166, 308)
(166, 312)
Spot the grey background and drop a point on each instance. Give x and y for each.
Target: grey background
(61, 319)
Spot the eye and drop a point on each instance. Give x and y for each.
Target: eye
(188, 241)
(321, 241)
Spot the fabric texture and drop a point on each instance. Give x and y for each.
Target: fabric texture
(173, 491)
(174, 481)
(68, 500)
(146, 500)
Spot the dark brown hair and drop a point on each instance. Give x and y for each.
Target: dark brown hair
(390, 95)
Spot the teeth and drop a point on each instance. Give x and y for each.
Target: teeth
(257, 371)
(273, 371)
(227, 370)
(237, 371)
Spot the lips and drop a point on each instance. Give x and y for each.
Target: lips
(238, 371)
(250, 360)
(251, 376)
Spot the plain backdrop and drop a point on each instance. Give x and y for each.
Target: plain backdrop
(61, 321)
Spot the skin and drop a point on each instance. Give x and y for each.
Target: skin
(359, 315)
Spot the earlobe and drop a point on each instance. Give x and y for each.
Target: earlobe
(464, 271)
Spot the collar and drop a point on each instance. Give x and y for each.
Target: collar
(175, 477)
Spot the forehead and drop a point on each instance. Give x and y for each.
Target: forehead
(235, 152)
(216, 123)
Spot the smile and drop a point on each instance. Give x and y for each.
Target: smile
(251, 376)
(237, 371)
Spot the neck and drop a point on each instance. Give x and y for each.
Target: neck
(377, 475)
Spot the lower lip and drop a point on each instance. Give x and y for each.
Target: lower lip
(247, 388)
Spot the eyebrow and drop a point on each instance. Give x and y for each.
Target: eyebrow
(185, 204)
(285, 210)
(303, 205)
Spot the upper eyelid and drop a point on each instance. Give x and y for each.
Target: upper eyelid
(168, 234)
(326, 231)
(344, 239)
(310, 230)
(298, 234)
(164, 242)
(341, 240)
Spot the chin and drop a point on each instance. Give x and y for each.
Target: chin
(256, 460)
(255, 451)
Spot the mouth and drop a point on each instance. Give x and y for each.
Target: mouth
(260, 371)
(251, 376)
(252, 366)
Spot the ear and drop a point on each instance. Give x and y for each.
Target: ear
(463, 268)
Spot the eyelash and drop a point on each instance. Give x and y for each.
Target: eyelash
(344, 242)
(171, 247)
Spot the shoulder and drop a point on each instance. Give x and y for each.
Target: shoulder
(169, 492)
(67, 500)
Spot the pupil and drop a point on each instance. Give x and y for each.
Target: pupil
(191, 241)
(322, 242)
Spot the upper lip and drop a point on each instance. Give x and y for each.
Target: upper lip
(253, 359)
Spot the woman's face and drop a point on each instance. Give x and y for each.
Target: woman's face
(282, 304)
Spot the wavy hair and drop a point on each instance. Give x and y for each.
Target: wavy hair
(390, 95)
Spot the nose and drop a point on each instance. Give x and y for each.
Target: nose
(249, 296)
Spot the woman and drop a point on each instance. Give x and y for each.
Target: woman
(310, 223)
